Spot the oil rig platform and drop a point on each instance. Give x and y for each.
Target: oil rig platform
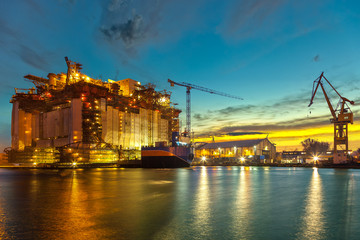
(71, 119)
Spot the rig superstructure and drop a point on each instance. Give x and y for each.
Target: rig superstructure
(71, 118)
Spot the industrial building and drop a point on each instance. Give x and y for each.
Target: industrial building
(258, 150)
(70, 118)
(293, 157)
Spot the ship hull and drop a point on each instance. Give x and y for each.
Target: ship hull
(168, 157)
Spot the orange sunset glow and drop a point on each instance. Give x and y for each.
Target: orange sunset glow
(291, 139)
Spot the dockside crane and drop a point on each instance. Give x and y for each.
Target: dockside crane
(190, 86)
(341, 116)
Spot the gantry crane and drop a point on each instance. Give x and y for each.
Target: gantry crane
(341, 116)
(190, 86)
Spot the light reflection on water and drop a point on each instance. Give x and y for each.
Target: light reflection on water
(241, 213)
(313, 219)
(202, 205)
(193, 203)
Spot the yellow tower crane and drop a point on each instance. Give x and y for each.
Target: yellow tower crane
(341, 116)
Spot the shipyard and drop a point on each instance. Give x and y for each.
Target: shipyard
(70, 120)
(162, 120)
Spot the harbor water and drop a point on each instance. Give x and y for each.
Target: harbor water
(190, 203)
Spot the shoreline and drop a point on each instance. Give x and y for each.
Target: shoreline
(334, 166)
(341, 166)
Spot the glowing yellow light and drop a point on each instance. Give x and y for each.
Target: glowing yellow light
(34, 163)
(242, 159)
(316, 158)
(74, 163)
(203, 158)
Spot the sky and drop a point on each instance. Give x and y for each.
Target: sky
(267, 52)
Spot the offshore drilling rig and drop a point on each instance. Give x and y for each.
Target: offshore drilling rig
(71, 118)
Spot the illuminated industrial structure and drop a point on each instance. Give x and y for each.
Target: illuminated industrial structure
(261, 150)
(341, 116)
(72, 118)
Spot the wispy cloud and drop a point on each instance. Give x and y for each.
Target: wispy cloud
(243, 133)
(33, 58)
(248, 17)
(279, 115)
(7, 31)
(265, 128)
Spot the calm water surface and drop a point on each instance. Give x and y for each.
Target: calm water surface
(193, 203)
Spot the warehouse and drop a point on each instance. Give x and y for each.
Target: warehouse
(259, 150)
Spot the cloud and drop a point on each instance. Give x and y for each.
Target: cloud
(282, 114)
(116, 4)
(6, 88)
(130, 24)
(289, 103)
(5, 30)
(265, 128)
(248, 17)
(243, 133)
(34, 58)
(129, 32)
(236, 109)
(199, 117)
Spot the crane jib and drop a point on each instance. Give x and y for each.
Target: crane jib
(190, 86)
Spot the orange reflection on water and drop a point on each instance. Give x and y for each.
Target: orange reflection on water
(2, 221)
(79, 207)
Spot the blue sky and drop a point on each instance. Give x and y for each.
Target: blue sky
(268, 52)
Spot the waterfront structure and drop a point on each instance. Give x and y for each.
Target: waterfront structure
(293, 157)
(320, 158)
(341, 117)
(302, 157)
(72, 118)
(258, 150)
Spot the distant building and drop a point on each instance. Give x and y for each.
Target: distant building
(260, 150)
(302, 157)
(293, 157)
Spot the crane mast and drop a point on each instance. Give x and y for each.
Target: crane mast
(190, 86)
(341, 116)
